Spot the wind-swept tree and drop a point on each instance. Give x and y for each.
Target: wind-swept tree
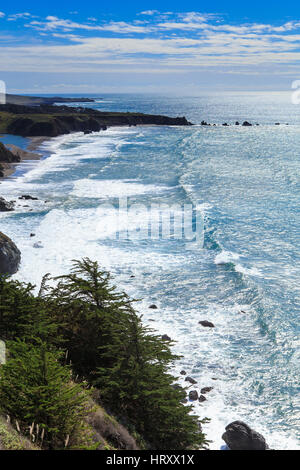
(108, 344)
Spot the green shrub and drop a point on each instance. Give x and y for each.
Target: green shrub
(36, 390)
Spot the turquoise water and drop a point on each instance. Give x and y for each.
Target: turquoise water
(245, 279)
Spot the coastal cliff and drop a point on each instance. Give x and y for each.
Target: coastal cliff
(51, 121)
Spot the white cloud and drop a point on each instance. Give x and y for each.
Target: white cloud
(149, 12)
(18, 16)
(2, 14)
(160, 43)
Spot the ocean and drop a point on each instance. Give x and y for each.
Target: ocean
(244, 277)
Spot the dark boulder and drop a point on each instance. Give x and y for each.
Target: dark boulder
(166, 338)
(6, 206)
(246, 123)
(193, 395)
(183, 372)
(206, 324)
(153, 306)
(237, 123)
(206, 389)
(27, 197)
(191, 380)
(202, 398)
(239, 436)
(10, 256)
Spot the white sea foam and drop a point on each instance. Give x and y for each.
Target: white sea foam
(226, 257)
(113, 188)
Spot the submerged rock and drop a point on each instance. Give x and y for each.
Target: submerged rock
(6, 206)
(10, 255)
(239, 436)
(207, 324)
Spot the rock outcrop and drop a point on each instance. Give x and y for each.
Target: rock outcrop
(239, 436)
(10, 256)
(7, 156)
(6, 206)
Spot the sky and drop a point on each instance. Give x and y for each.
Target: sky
(155, 47)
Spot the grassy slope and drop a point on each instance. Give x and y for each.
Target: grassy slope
(10, 439)
(100, 431)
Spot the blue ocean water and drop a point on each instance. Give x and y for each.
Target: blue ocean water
(245, 279)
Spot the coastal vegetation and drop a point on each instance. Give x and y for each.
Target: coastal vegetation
(83, 372)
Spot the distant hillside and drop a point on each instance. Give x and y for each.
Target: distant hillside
(37, 100)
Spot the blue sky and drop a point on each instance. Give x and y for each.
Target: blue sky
(178, 47)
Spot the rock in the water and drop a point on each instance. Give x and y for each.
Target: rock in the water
(37, 245)
(206, 389)
(239, 436)
(183, 372)
(202, 398)
(10, 256)
(166, 338)
(27, 197)
(246, 123)
(193, 395)
(207, 324)
(237, 123)
(6, 206)
(191, 380)
(153, 306)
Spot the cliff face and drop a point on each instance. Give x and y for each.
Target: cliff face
(51, 121)
(7, 156)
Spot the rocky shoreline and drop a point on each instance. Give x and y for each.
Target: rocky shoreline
(238, 435)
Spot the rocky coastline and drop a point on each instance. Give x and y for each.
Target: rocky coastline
(44, 121)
